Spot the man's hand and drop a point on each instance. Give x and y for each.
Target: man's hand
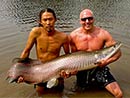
(66, 74)
(20, 80)
(102, 63)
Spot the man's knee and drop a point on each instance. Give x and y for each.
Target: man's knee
(114, 89)
(119, 94)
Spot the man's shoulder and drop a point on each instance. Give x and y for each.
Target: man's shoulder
(62, 36)
(35, 29)
(61, 33)
(104, 34)
(75, 32)
(101, 30)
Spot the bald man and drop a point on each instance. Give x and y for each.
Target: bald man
(89, 37)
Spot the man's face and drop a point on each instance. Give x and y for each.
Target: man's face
(48, 21)
(86, 20)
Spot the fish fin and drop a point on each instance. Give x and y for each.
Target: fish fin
(52, 82)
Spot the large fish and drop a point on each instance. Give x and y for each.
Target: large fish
(36, 72)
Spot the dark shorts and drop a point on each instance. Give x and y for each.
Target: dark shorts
(97, 76)
(59, 87)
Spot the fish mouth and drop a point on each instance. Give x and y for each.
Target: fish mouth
(12, 80)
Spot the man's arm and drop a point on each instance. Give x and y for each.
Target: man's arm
(67, 50)
(72, 45)
(109, 41)
(66, 46)
(28, 47)
(29, 44)
(110, 60)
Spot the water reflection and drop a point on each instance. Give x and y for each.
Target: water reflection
(109, 14)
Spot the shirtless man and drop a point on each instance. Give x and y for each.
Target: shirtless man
(90, 38)
(48, 42)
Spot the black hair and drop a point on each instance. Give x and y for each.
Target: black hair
(46, 10)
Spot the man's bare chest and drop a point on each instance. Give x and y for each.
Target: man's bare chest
(48, 44)
(88, 43)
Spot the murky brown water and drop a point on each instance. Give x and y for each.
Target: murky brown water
(17, 17)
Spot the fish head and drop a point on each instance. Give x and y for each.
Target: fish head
(114, 48)
(17, 70)
(117, 45)
(108, 51)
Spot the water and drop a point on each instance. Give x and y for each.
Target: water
(17, 17)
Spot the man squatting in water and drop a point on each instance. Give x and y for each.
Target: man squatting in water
(89, 37)
(48, 42)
